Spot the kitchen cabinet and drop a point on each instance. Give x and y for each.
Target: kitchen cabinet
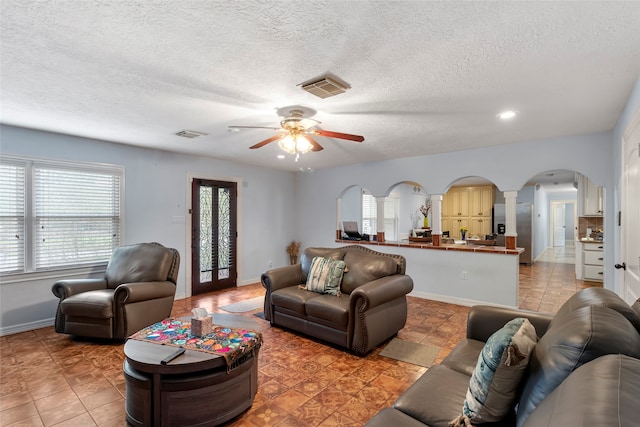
(469, 207)
(453, 225)
(458, 202)
(592, 198)
(593, 261)
(481, 201)
(480, 226)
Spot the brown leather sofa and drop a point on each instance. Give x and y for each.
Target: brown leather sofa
(137, 290)
(371, 309)
(584, 371)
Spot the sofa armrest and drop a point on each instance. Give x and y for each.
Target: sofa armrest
(380, 291)
(282, 277)
(128, 293)
(66, 288)
(484, 320)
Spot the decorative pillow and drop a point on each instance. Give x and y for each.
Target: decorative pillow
(325, 276)
(495, 381)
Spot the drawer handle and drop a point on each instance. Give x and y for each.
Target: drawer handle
(600, 259)
(600, 247)
(600, 272)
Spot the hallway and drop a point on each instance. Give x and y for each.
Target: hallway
(550, 281)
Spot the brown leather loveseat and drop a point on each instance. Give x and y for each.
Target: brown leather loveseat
(584, 369)
(371, 306)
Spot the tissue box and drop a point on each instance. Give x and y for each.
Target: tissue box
(201, 326)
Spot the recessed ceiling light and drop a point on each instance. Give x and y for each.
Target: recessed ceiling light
(507, 115)
(281, 156)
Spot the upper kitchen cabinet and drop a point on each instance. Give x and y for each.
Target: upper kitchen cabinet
(481, 200)
(592, 198)
(468, 207)
(457, 202)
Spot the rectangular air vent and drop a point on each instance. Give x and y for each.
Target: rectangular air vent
(324, 88)
(190, 134)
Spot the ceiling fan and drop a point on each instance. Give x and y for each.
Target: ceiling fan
(296, 134)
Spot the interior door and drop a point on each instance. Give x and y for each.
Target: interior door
(558, 224)
(630, 221)
(213, 236)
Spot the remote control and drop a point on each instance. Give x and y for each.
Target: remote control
(172, 356)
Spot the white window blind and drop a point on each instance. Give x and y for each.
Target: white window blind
(57, 215)
(76, 216)
(12, 218)
(369, 214)
(391, 217)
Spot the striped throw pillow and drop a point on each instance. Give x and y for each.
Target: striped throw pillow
(325, 276)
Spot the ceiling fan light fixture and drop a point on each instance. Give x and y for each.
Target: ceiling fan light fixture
(507, 115)
(295, 144)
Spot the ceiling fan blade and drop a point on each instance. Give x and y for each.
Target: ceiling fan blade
(314, 143)
(266, 141)
(254, 127)
(330, 134)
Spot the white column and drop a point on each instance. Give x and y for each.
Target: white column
(436, 214)
(339, 218)
(380, 214)
(510, 213)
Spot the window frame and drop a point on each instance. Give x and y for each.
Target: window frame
(30, 164)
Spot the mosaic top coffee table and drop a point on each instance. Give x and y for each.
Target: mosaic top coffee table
(194, 389)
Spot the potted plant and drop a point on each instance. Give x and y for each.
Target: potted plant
(463, 231)
(424, 210)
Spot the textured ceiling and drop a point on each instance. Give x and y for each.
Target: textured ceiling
(426, 77)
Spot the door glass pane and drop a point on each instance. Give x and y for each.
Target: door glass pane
(206, 234)
(224, 233)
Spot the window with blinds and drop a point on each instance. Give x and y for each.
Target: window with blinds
(369, 214)
(391, 218)
(60, 215)
(12, 217)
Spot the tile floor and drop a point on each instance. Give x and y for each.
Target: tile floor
(48, 379)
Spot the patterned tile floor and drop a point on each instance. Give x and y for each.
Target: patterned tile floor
(48, 379)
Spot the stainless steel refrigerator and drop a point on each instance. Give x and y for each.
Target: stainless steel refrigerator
(524, 228)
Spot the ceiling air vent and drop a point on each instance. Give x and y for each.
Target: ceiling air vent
(324, 87)
(190, 134)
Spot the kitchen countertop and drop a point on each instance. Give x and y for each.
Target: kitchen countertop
(465, 248)
(584, 240)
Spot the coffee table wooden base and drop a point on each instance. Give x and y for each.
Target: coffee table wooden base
(195, 389)
(201, 399)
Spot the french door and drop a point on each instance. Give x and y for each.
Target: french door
(213, 235)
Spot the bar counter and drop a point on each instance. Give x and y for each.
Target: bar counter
(445, 247)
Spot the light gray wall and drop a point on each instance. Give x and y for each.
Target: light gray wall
(515, 165)
(155, 195)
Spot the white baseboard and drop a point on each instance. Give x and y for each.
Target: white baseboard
(454, 300)
(249, 282)
(24, 327)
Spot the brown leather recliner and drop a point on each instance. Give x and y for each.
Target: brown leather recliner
(137, 290)
(372, 306)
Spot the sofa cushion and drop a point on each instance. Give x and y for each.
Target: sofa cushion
(601, 297)
(464, 357)
(584, 334)
(495, 381)
(434, 399)
(603, 392)
(363, 268)
(144, 262)
(292, 298)
(310, 253)
(96, 304)
(325, 276)
(329, 310)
